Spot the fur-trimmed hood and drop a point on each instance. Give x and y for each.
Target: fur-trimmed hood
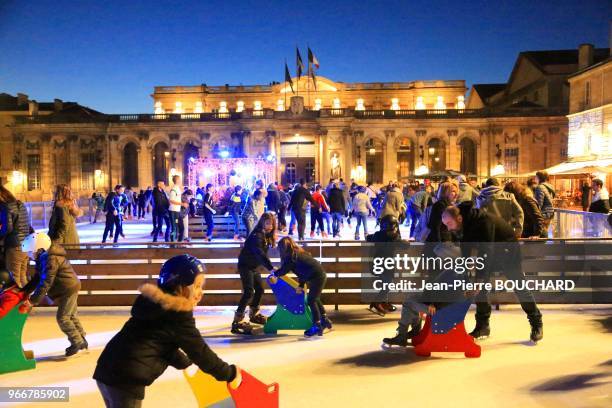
(166, 302)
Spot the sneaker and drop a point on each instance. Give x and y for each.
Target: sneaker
(315, 329)
(312, 234)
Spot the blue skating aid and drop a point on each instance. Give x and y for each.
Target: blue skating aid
(292, 311)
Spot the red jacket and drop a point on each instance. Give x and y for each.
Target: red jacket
(9, 299)
(318, 197)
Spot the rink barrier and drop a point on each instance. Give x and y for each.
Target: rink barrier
(111, 274)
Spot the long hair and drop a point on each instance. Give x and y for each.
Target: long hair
(269, 236)
(5, 195)
(63, 198)
(445, 189)
(288, 249)
(519, 190)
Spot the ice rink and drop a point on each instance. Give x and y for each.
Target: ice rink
(571, 367)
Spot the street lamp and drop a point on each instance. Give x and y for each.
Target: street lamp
(499, 167)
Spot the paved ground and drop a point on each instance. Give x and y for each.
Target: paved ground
(572, 367)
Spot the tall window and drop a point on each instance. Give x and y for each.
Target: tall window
(468, 156)
(88, 164)
(437, 155)
(290, 172)
(33, 166)
(161, 162)
(310, 171)
(511, 160)
(130, 165)
(405, 159)
(587, 93)
(374, 161)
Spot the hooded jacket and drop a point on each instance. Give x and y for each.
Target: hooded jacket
(58, 279)
(336, 201)
(544, 194)
(466, 192)
(361, 203)
(160, 332)
(298, 197)
(503, 204)
(534, 222)
(273, 200)
(394, 200)
(14, 223)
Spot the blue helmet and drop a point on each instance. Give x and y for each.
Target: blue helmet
(180, 270)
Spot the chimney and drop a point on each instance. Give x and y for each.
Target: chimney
(22, 99)
(585, 56)
(33, 108)
(58, 105)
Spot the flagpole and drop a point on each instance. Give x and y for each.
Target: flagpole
(285, 76)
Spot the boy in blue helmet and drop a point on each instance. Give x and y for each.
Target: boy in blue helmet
(161, 332)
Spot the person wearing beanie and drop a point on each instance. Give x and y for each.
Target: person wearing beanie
(161, 332)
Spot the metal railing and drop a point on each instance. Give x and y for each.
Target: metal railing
(580, 224)
(40, 212)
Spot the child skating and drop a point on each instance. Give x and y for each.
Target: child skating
(160, 333)
(60, 283)
(309, 271)
(252, 260)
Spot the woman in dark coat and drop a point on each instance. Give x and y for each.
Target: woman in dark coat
(534, 221)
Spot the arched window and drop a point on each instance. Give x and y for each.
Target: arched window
(374, 161)
(130, 165)
(405, 158)
(290, 172)
(161, 162)
(468, 157)
(310, 171)
(437, 155)
(190, 151)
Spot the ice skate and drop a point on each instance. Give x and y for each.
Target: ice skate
(400, 340)
(316, 329)
(241, 328)
(537, 329)
(389, 307)
(326, 323)
(74, 349)
(257, 318)
(378, 309)
(481, 331)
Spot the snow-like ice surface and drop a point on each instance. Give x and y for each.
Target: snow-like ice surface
(571, 367)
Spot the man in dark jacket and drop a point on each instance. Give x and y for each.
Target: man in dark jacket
(60, 283)
(114, 210)
(161, 214)
(544, 194)
(298, 206)
(273, 199)
(601, 198)
(161, 332)
(483, 233)
(337, 207)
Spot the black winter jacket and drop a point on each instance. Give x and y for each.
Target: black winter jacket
(299, 195)
(160, 201)
(15, 222)
(533, 221)
(336, 201)
(58, 279)
(161, 332)
(304, 266)
(254, 253)
(273, 200)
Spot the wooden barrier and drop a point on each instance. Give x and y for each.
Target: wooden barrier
(224, 227)
(111, 275)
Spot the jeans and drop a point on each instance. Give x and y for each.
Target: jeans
(174, 221)
(236, 218)
(415, 215)
(210, 223)
(252, 289)
(68, 320)
(300, 218)
(158, 221)
(117, 398)
(316, 216)
(336, 220)
(112, 220)
(17, 263)
(98, 212)
(315, 288)
(292, 222)
(511, 267)
(362, 218)
(328, 221)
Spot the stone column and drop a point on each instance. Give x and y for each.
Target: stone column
(390, 157)
(74, 153)
(145, 165)
(323, 152)
(347, 161)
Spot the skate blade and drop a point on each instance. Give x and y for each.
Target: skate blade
(393, 349)
(481, 338)
(376, 312)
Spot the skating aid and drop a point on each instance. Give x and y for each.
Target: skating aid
(12, 356)
(292, 311)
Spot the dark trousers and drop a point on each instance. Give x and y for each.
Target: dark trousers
(181, 228)
(141, 211)
(210, 223)
(112, 220)
(252, 289)
(282, 222)
(159, 220)
(316, 217)
(117, 398)
(415, 215)
(510, 263)
(315, 288)
(300, 217)
(174, 221)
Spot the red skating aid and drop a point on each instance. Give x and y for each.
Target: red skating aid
(252, 393)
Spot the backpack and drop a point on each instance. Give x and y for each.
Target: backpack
(422, 230)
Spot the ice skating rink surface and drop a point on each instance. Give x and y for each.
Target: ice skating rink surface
(571, 367)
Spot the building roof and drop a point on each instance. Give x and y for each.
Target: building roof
(549, 61)
(487, 90)
(11, 103)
